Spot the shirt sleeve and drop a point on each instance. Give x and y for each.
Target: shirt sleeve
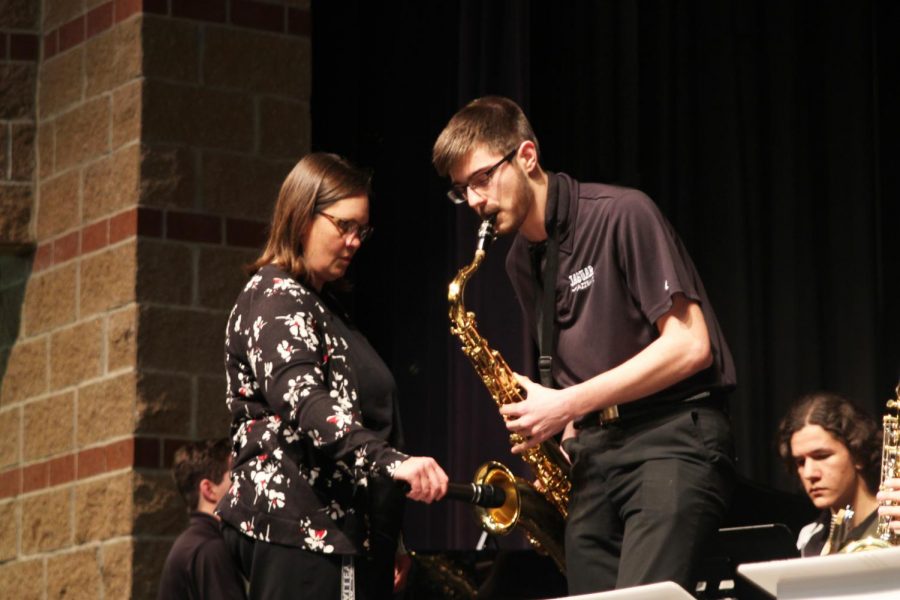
(215, 574)
(303, 372)
(651, 256)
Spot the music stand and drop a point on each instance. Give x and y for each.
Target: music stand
(870, 575)
(732, 546)
(666, 590)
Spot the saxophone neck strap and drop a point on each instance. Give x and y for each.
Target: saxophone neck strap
(546, 271)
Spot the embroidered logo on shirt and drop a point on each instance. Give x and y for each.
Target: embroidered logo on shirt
(582, 279)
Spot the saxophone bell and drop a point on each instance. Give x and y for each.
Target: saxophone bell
(522, 506)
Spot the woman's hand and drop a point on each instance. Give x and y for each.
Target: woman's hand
(426, 478)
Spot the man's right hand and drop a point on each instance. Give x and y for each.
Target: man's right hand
(891, 492)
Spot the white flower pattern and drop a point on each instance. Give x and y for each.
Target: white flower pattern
(302, 452)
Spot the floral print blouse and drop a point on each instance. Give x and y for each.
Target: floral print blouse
(301, 453)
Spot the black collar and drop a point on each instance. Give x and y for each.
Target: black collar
(562, 193)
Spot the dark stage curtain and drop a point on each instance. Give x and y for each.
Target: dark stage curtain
(766, 130)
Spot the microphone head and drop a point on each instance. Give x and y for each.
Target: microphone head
(486, 495)
(479, 494)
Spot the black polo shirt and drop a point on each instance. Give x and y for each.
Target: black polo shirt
(199, 565)
(620, 263)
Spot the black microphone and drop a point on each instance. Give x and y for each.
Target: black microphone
(484, 495)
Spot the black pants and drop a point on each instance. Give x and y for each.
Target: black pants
(375, 572)
(646, 496)
(275, 571)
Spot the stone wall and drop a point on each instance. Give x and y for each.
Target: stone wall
(141, 146)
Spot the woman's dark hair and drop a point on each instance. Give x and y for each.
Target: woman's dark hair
(318, 180)
(843, 419)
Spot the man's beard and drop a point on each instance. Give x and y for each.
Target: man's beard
(523, 202)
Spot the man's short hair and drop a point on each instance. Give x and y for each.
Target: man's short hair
(494, 121)
(196, 461)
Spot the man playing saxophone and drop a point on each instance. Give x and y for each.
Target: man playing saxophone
(634, 365)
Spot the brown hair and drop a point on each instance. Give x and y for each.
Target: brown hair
(494, 121)
(318, 180)
(845, 421)
(197, 461)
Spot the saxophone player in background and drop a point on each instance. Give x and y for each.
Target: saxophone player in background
(628, 325)
(835, 450)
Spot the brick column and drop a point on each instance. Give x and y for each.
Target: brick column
(163, 130)
(19, 51)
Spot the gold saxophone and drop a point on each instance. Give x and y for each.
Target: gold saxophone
(890, 468)
(540, 512)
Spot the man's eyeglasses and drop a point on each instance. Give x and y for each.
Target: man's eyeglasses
(350, 228)
(478, 181)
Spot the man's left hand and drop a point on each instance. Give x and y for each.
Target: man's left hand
(541, 415)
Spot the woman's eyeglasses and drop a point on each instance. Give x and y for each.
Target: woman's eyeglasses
(349, 228)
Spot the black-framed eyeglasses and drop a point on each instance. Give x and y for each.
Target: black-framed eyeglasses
(478, 181)
(349, 228)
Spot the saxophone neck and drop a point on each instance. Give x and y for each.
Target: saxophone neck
(458, 285)
(486, 235)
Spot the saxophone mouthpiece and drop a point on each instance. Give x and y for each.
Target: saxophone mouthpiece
(486, 233)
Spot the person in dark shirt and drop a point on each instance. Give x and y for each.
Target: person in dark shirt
(199, 565)
(835, 450)
(628, 325)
